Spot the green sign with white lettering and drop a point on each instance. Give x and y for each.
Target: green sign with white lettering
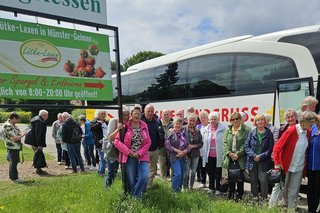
(48, 62)
(22, 86)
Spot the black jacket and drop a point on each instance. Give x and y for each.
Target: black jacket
(97, 133)
(155, 131)
(37, 135)
(67, 128)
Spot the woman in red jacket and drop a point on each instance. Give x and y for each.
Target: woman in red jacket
(134, 153)
(290, 155)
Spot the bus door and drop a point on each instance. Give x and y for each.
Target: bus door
(289, 94)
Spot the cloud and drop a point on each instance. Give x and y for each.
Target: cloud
(172, 25)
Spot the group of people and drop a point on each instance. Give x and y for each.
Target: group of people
(185, 146)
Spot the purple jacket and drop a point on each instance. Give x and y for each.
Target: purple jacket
(173, 142)
(125, 147)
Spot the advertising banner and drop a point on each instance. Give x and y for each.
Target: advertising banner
(36, 49)
(54, 88)
(94, 11)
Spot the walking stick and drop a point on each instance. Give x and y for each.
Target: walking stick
(123, 165)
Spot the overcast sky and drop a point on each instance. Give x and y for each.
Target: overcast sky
(172, 25)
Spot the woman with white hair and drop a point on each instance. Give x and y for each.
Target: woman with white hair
(203, 126)
(194, 138)
(177, 146)
(213, 152)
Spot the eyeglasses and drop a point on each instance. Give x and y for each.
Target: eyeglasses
(235, 119)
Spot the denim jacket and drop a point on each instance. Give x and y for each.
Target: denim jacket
(251, 146)
(313, 162)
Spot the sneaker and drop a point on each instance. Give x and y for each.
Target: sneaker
(202, 185)
(18, 181)
(59, 163)
(218, 193)
(67, 167)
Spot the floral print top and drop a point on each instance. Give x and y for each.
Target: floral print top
(11, 130)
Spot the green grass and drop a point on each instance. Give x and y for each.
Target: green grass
(86, 193)
(27, 153)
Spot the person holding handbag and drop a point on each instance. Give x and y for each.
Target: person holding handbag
(234, 157)
(290, 155)
(258, 147)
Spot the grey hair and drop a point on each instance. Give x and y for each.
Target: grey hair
(308, 101)
(148, 106)
(136, 106)
(66, 115)
(288, 111)
(99, 111)
(177, 119)
(308, 116)
(192, 115)
(43, 112)
(125, 109)
(214, 114)
(203, 113)
(59, 114)
(267, 117)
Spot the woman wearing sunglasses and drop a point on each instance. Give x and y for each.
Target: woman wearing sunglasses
(234, 154)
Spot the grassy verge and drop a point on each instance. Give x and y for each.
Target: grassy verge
(27, 152)
(86, 193)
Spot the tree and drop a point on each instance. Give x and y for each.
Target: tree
(140, 57)
(114, 67)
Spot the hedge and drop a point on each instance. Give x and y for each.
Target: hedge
(25, 117)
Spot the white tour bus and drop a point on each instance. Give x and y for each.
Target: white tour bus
(237, 74)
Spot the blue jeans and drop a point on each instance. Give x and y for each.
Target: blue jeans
(112, 171)
(192, 164)
(75, 155)
(88, 153)
(59, 152)
(102, 162)
(137, 174)
(14, 160)
(178, 168)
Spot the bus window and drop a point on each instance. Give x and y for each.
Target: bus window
(209, 75)
(308, 40)
(258, 72)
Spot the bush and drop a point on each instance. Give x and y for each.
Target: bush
(25, 117)
(76, 112)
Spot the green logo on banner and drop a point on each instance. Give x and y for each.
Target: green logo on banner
(40, 53)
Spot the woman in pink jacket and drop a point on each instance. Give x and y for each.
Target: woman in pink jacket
(134, 153)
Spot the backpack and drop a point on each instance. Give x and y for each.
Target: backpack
(76, 134)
